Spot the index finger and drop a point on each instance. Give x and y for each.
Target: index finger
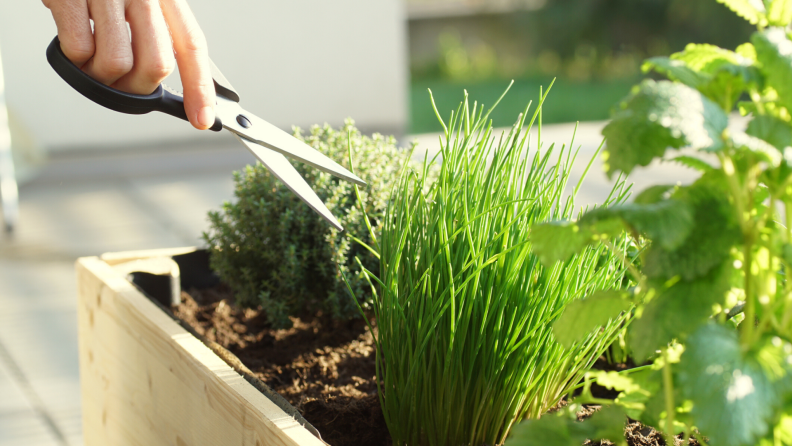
(192, 57)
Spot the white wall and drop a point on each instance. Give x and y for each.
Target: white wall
(294, 62)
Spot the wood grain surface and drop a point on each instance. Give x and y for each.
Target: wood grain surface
(147, 381)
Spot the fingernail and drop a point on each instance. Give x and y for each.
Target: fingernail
(206, 117)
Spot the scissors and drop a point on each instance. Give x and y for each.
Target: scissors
(268, 143)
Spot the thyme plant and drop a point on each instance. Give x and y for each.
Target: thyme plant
(713, 302)
(274, 251)
(463, 340)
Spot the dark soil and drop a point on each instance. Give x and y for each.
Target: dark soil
(325, 369)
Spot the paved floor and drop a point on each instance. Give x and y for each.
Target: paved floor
(98, 203)
(78, 207)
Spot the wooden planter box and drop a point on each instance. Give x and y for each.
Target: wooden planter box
(147, 381)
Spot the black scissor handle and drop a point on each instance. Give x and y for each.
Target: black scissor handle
(162, 100)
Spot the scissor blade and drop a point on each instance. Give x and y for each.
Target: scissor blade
(266, 134)
(281, 168)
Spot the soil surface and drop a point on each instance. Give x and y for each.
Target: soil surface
(325, 369)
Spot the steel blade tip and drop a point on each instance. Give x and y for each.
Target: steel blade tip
(355, 179)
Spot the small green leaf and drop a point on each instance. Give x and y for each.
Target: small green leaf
(771, 129)
(653, 194)
(733, 400)
(613, 380)
(693, 163)
(747, 10)
(747, 51)
(677, 311)
(582, 316)
(658, 115)
(779, 13)
(637, 397)
(561, 429)
(774, 52)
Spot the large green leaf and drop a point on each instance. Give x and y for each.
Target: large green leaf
(708, 243)
(762, 150)
(771, 129)
(705, 58)
(729, 82)
(560, 240)
(719, 74)
(733, 400)
(779, 13)
(659, 115)
(561, 429)
(666, 222)
(582, 316)
(747, 10)
(678, 311)
(774, 52)
(693, 163)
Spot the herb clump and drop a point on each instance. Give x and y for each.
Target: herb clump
(463, 341)
(713, 313)
(274, 251)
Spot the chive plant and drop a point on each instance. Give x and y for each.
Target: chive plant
(464, 307)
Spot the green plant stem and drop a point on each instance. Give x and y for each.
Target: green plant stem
(750, 305)
(788, 218)
(787, 314)
(668, 388)
(756, 97)
(748, 230)
(728, 168)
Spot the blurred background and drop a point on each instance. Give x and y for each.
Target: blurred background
(92, 181)
(594, 48)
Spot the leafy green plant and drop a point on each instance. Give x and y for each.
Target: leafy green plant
(274, 251)
(464, 347)
(713, 304)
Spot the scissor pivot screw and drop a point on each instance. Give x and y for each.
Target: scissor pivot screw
(244, 121)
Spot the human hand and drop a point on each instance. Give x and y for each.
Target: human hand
(160, 29)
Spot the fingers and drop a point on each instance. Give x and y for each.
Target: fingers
(113, 57)
(192, 57)
(138, 65)
(151, 48)
(74, 29)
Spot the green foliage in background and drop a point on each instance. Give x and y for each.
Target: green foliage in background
(591, 40)
(275, 251)
(713, 309)
(595, 52)
(571, 101)
(464, 307)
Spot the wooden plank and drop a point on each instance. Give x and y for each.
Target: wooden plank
(147, 381)
(114, 258)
